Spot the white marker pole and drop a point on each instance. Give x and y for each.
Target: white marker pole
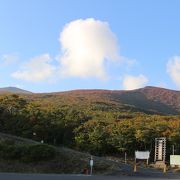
(91, 165)
(125, 158)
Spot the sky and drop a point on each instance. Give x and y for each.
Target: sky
(58, 45)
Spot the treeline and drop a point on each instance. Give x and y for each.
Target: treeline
(88, 129)
(138, 133)
(30, 120)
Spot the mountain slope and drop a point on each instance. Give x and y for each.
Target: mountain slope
(166, 96)
(14, 90)
(149, 99)
(67, 161)
(158, 100)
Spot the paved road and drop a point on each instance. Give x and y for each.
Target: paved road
(14, 176)
(145, 172)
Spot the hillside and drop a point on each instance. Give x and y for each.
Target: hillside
(66, 161)
(97, 121)
(150, 100)
(164, 96)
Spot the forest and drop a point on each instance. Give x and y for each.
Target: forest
(95, 128)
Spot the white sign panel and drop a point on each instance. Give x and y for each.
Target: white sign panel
(142, 154)
(160, 147)
(175, 160)
(91, 162)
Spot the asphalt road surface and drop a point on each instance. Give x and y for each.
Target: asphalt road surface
(16, 176)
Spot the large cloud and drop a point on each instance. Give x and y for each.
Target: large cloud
(36, 69)
(134, 82)
(173, 68)
(86, 45)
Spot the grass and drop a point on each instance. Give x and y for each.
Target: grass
(66, 161)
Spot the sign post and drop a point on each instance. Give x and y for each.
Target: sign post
(143, 155)
(160, 153)
(125, 158)
(91, 165)
(160, 150)
(173, 149)
(135, 168)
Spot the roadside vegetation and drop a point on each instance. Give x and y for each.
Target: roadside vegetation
(23, 155)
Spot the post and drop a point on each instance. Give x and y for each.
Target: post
(135, 168)
(147, 162)
(164, 169)
(91, 170)
(125, 158)
(91, 165)
(173, 149)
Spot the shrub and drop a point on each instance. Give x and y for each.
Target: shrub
(40, 152)
(27, 153)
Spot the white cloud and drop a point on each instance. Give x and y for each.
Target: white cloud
(129, 62)
(173, 69)
(36, 70)
(9, 58)
(134, 82)
(86, 45)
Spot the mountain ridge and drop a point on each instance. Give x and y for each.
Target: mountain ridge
(11, 89)
(14, 89)
(150, 99)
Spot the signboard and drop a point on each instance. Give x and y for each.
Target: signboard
(160, 149)
(175, 160)
(91, 162)
(142, 154)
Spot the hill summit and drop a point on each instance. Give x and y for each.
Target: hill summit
(14, 90)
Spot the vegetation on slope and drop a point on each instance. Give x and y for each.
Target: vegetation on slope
(24, 155)
(97, 125)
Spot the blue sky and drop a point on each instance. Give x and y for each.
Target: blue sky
(123, 44)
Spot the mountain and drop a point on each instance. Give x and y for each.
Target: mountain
(158, 100)
(164, 96)
(14, 90)
(151, 100)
